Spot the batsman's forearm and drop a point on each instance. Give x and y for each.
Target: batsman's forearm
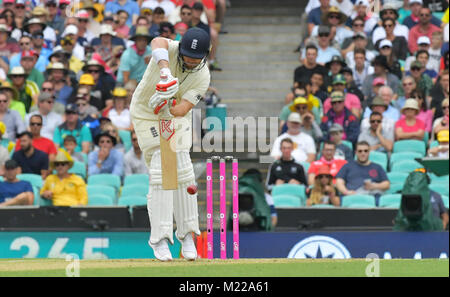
(180, 110)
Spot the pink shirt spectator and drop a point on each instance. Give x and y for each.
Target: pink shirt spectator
(351, 101)
(416, 32)
(426, 117)
(124, 30)
(419, 125)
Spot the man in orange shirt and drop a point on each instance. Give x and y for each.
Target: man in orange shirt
(328, 151)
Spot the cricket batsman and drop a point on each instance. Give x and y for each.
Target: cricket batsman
(174, 82)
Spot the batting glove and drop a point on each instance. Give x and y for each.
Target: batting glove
(168, 85)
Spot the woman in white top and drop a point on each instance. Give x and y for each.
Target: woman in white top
(120, 114)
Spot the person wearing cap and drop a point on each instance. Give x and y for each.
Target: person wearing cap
(112, 7)
(342, 150)
(315, 15)
(422, 79)
(323, 191)
(12, 190)
(441, 150)
(167, 5)
(387, 51)
(362, 12)
(381, 70)
(325, 50)
(7, 48)
(352, 102)
(72, 126)
(415, 6)
(335, 19)
(38, 22)
(30, 159)
(361, 68)
(334, 66)
(51, 119)
(85, 35)
(55, 21)
(380, 131)
(64, 188)
(26, 44)
(37, 44)
(387, 95)
(107, 159)
(57, 73)
(362, 176)
(28, 90)
(424, 28)
(69, 43)
(360, 42)
(441, 123)
(410, 127)
(304, 148)
(104, 82)
(13, 97)
(341, 115)
(105, 46)
(120, 114)
(28, 62)
(135, 59)
(389, 11)
(398, 44)
(285, 170)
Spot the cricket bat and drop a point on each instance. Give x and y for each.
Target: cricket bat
(168, 154)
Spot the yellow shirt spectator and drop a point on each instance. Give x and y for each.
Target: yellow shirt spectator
(67, 191)
(445, 17)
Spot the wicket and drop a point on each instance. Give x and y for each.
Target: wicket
(223, 205)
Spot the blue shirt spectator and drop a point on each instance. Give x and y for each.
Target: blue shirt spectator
(129, 6)
(12, 190)
(106, 159)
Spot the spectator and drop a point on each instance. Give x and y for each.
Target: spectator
(45, 105)
(423, 44)
(363, 20)
(134, 60)
(323, 190)
(129, 6)
(335, 19)
(439, 92)
(70, 143)
(11, 118)
(360, 42)
(121, 28)
(408, 86)
(55, 21)
(310, 66)
(350, 84)
(435, 51)
(57, 73)
(28, 62)
(12, 190)
(362, 176)
(318, 86)
(309, 119)
(423, 28)
(423, 56)
(70, 44)
(327, 159)
(410, 127)
(440, 151)
(30, 160)
(386, 49)
(341, 115)
(351, 101)
(104, 82)
(315, 15)
(13, 97)
(285, 170)
(438, 207)
(119, 114)
(167, 5)
(37, 44)
(425, 114)
(380, 137)
(389, 11)
(334, 67)
(72, 126)
(4, 153)
(7, 48)
(423, 80)
(381, 70)
(167, 30)
(325, 50)
(362, 67)
(134, 162)
(87, 113)
(106, 159)
(105, 45)
(43, 144)
(95, 103)
(416, 9)
(28, 90)
(441, 123)
(39, 20)
(386, 95)
(114, 132)
(64, 188)
(305, 149)
(342, 150)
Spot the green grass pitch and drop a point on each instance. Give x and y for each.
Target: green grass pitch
(225, 268)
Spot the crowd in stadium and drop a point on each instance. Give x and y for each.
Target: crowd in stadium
(373, 80)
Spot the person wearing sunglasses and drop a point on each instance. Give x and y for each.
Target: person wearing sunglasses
(12, 190)
(415, 6)
(323, 191)
(64, 188)
(423, 28)
(389, 11)
(422, 79)
(362, 176)
(40, 143)
(380, 137)
(335, 19)
(45, 109)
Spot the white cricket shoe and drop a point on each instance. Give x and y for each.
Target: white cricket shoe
(161, 250)
(188, 249)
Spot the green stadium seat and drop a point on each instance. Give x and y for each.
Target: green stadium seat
(358, 201)
(445, 199)
(348, 143)
(79, 168)
(125, 136)
(305, 167)
(1, 178)
(402, 156)
(105, 179)
(410, 146)
(397, 177)
(286, 201)
(94, 190)
(140, 179)
(439, 179)
(390, 200)
(38, 200)
(395, 188)
(407, 166)
(323, 206)
(434, 143)
(130, 190)
(292, 190)
(380, 158)
(34, 179)
(132, 200)
(100, 200)
(440, 188)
